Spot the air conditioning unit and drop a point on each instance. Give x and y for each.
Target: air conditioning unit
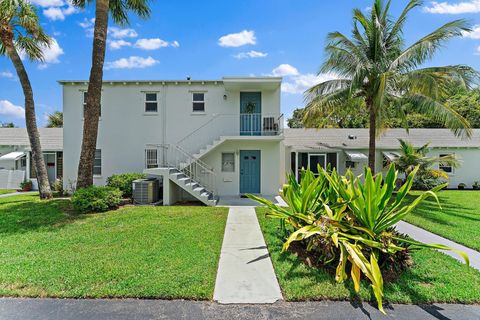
(145, 191)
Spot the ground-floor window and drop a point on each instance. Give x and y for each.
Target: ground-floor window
(311, 160)
(228, 162)
(97, 164)
(445, 167)
(151, 158)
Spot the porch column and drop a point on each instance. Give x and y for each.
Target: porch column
(296, 165)
(27, 173)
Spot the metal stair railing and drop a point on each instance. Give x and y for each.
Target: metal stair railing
(173, 156)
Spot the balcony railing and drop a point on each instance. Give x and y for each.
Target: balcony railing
(221, 125)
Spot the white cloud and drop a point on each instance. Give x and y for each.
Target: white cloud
(154, 43)
(474, 34)
(54, 13)
(9, 109)
(6, 74)
(118, 44)
(119, 33)
(300, 83)
(51, 54)
(472, 6)
(284, 70)
(56, 9)
(132, 62)
(87, 23)
(251, 54)
(238, 39)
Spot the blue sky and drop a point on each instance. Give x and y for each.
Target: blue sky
(211, 39)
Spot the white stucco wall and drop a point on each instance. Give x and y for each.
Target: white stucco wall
(270, 171)
(125, 129)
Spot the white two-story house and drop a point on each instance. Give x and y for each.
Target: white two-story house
(206, 139)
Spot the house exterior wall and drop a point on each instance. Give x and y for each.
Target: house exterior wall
(468, 172)
(228, 183)
(126, 130)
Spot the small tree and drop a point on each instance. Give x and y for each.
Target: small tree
(55, 120)
(21, 30)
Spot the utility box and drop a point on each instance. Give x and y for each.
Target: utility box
(146, 191)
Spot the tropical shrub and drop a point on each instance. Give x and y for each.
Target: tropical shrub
(26, 185)
(123, 182)
(349, 223)
(96, 199)
(57, 186)
(426, 182)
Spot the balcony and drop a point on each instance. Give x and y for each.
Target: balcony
(233, 125)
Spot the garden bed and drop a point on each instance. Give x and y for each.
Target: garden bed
(435, 277)
(138, 252)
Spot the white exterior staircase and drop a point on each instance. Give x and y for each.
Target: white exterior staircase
(194, 188)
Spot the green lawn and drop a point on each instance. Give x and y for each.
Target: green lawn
(6, 191)
(144, 252)
(458, 220)
(434, 278)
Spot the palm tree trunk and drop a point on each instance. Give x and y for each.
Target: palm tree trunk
(30, 118)
(94, 96)
(372, 132)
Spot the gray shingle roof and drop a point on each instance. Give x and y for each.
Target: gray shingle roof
(51, 139)
(339, 138)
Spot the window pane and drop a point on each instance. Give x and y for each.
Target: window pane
(151, 107)
(151, 97)
(198, 97)
(85, 97)
(228, 162)
(151, 158)
(198, 106)
(97, 171)
(97, 163)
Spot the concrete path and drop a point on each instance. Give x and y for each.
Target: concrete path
(245, 272)
(70, 309)
(17, 194)
(428, 237)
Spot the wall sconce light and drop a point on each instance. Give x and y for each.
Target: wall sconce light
(224, 97)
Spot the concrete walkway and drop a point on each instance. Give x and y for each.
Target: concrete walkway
(127, 309)
(17, 194)
(245, 272)
(428, 237)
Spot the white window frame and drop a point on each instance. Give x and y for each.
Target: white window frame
(223, 162)
(324, 155)
(151, 162)
(94, 166)
(198, 101)
(145, 101)
(440, 167)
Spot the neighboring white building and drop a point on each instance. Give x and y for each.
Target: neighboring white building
(15, 152)
(220, 138)
(225, 134)
(348, 148)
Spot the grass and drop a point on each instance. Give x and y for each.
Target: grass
(434, 278)
(139, 252)
(7, 191)
(458, 220)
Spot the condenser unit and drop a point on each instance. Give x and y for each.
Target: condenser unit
(145, 191)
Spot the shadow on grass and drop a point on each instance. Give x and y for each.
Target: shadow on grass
(25, 215)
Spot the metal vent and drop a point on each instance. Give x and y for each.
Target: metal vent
(145, 191)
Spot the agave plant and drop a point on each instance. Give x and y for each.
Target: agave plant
(353, 218)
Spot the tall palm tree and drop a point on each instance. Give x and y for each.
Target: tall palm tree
(118, 9)
(375, 70)
(55, 120)
(20, 30)
(411, 157)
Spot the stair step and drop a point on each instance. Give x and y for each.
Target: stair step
(191, 184)
(206, 194)
(185, 180)
(199, 189)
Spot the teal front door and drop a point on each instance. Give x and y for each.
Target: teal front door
(250, 113)
(249, 171)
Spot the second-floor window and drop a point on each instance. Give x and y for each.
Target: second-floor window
(151, 158)
(198, 102)
(151, 102)
(85, 104)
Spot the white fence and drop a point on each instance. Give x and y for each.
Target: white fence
(11, 179)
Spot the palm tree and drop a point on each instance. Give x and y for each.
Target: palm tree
(20, 30)
(412, 157)
(376, 70)
(119, 12)
(55, 120)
